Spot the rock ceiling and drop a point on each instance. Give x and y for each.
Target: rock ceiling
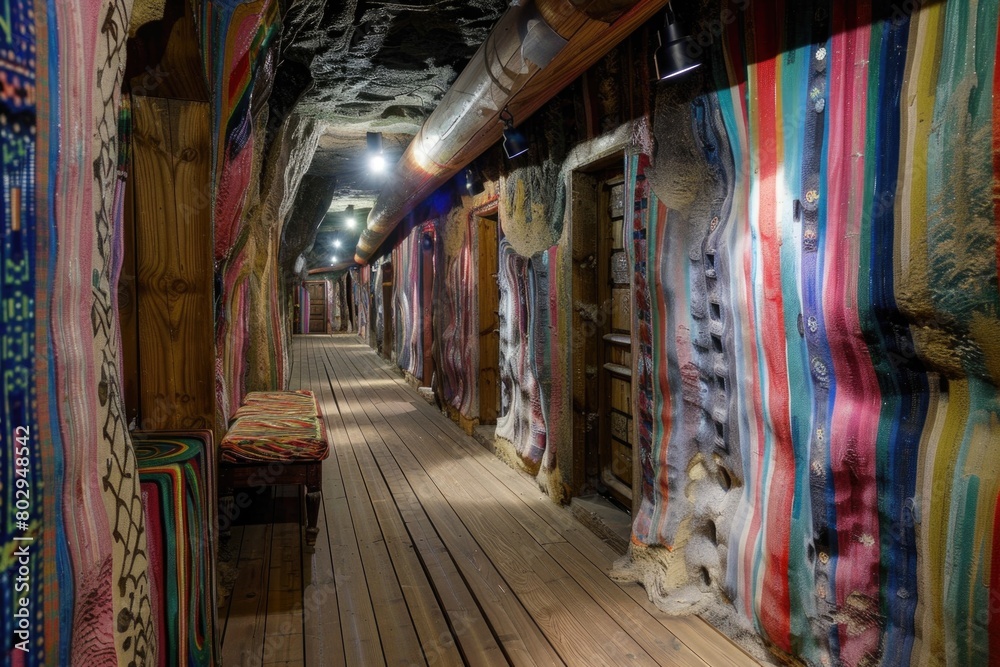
(376, 66)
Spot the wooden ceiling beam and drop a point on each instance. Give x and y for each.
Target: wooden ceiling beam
(466, 122)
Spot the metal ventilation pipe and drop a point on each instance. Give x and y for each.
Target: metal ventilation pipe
(534, 51)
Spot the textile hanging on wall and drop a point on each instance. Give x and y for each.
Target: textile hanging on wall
(819, 400)
(102, 504)
(409, 342)
(362, 298)
(25, 537)
(87, 590)
(250, 193)
(456, 313)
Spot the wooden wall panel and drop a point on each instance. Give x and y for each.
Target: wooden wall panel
(173, 246)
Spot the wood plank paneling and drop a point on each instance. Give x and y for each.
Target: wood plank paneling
(173, 246)
(489, 321)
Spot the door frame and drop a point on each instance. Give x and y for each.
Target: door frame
(595, 155)
(326, 305)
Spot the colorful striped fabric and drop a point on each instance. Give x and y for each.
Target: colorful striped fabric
(408, 335)
(825, 294)
(177, 480)
(61, 71)
(456, 312)
(239, 39)
(22, 450)
(297, 403)
(265, 438)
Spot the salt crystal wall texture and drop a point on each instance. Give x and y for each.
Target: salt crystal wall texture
(819, 411)
(63, 187)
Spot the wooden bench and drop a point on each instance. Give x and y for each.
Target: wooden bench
(276, 437)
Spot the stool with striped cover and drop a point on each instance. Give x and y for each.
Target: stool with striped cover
(277, 437)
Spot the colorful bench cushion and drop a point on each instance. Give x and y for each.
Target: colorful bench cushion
(298, 403)
(266, 438)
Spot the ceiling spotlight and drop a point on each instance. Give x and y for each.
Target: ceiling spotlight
(473, 182)
(671, 58)
(514, 142)
(336, 243)
(376, 160)
(376, 163)
(333, 260)
(350, 221)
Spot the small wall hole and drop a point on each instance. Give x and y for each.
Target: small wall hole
(725, 478)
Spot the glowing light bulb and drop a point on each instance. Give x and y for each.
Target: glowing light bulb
(377, 163)
(351, 222)
(336, 243)
(333, 260)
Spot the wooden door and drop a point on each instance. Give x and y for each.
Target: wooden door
(317, 306)
(615, 347)
(489, 321)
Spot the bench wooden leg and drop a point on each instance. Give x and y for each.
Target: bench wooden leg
(313, 497)
(314, 494)
(227, 509)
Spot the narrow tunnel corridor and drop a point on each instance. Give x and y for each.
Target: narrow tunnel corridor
(431, 550)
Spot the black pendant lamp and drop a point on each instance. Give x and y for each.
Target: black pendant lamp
(672, 59)
(514, 142)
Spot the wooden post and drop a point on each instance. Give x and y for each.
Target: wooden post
(171, 189)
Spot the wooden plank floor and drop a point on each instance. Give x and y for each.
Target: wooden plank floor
(431, 551)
